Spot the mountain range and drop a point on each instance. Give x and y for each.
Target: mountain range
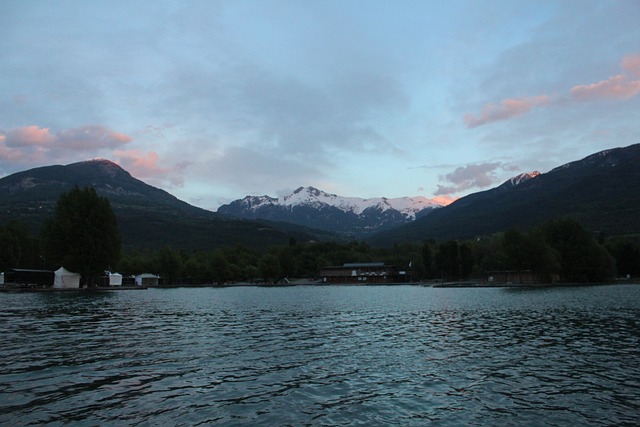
(601, 191)
(148, 217)
(349, 216)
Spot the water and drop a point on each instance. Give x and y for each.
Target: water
(381, 355)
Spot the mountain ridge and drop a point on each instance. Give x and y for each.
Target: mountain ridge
(148, 217)
(601, 191)
(309, 206)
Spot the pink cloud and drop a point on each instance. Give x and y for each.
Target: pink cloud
(147, 166)
(7, 153)
(614, 87)
(621, 86)
(29, 135)
(95, 137)
(507, 109)
(631, 65)
(78, 139)
(467, 177)
(34, 145)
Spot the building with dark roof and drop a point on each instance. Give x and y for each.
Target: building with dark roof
(364, 273)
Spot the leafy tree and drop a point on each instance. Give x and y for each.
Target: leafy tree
(286, 257)
(16, 245)
(169, 265)
(427, 258)
(83, 234)
(528, 252)
(220, 267)
(197, 268)
(582, 258)
(269, 266)
(626, 252)
(454, 260)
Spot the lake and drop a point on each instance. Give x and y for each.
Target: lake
(322, 355)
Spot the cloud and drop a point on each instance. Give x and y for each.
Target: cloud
(32, 145)
(256, 170)
(621, 86)
(146, 166)
(81, 139)
(468, 177)
(618, 86)
(29, 135)
(507, 109)
(631, 65)
(94, 137)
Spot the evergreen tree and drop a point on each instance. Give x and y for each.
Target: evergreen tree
(582, 258)
(15, 245)
(83, 234)
(427, 258)
(169, 265)
(269, 266)
(447, 260)
(220, 267)
(626, 252)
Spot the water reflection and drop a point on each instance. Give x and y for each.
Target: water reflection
(322, 356)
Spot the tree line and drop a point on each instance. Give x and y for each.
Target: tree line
(83, 236)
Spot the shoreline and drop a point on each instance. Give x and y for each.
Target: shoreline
(437, 285)
(35, 289)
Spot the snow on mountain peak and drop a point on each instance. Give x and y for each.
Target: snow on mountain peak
(310, 196)
(519, 179)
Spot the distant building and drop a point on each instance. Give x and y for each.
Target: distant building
(364, 273)
(24, 276)
(147, 279)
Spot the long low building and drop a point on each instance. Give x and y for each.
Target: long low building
(364, 273)
(30, 276)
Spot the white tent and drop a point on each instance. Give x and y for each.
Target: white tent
(115, 279)
(145, 279)
(66, 279)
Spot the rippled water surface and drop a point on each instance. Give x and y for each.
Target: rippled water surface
(403, 355)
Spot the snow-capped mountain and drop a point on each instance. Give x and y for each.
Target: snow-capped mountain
(314, 208)
(312, 197)
(523, 177)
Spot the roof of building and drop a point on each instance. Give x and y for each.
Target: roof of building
(363, 264)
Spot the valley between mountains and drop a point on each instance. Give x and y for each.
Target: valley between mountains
(601, 192)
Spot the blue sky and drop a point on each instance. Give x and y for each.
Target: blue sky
(215, 100)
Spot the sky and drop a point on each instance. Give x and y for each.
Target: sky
(215, 100)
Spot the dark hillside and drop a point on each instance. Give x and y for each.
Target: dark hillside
(602, 192)
(148, 217)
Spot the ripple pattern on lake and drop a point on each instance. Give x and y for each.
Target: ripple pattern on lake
(323, 355)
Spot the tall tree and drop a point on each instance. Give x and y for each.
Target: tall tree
(83, 234)
(269, 266)
(427, 258)
(582, 258)
(15, 242)
(626, 252)
(169, 265)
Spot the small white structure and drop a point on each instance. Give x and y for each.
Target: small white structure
(115, 279)
(1, 278)
(147, 279)
(64, 278)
